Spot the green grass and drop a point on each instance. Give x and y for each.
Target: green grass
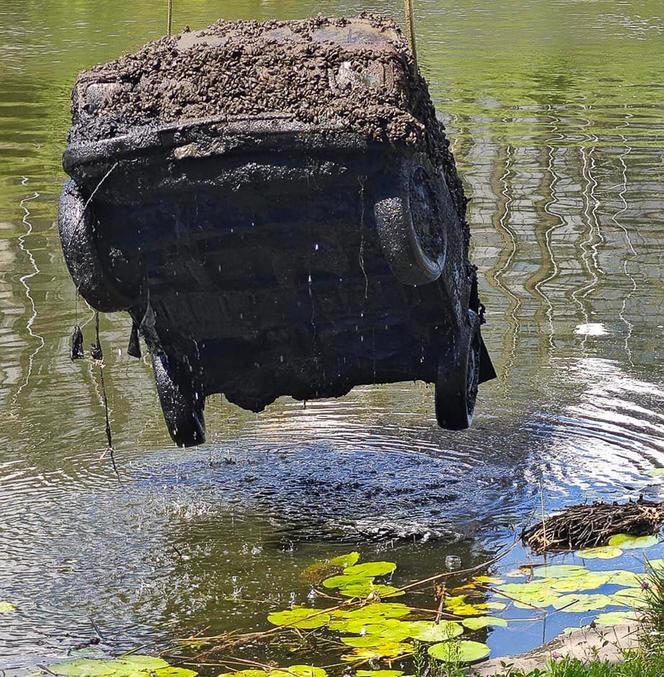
(636, 664)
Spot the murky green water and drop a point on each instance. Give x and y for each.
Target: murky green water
(556, 111)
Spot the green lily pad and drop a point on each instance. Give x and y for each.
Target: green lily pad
(344, 581)
(7, 607)
(428, 631)
(357, 620)
(363, 590)
(627, 579)
(300, 617)
(344, 561)
(656, 472)
(459, 651)
(298, 671)
(371, 569)
(389, 650)
(632, 597)
(85, 667)
(627, 542)
(483, 622)
(531, 588)
(607, 552)
(171, 671)
(616, 618)
(489, 580)
(125, 666)
(559, 570)
(588, 581)
(381, 631)
(582, 603)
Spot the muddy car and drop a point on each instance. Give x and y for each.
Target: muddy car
(276, 207)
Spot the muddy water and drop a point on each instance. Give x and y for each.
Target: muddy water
(556, 114)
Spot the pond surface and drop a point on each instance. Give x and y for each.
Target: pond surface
(556, 114)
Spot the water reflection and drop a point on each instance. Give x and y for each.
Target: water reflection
(560, 149)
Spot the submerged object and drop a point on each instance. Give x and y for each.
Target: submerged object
(276, 206)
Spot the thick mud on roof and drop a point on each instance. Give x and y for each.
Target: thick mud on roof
(356, 74)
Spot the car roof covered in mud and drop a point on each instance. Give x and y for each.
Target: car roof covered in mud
(356, 74)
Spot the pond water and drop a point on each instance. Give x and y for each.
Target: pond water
(556, 114)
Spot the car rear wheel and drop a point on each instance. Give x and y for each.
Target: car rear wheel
(180, 401)
(458, 379)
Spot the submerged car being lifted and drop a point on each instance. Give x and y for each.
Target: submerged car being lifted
(276, 206)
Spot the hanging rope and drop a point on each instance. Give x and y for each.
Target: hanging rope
(410, 27)
(98, 356)
(170, 17)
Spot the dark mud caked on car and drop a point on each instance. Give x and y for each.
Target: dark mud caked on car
(276, 206)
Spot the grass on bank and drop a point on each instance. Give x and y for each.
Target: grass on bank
(647, 661)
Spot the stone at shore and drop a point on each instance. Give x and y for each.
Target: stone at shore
(586, 644)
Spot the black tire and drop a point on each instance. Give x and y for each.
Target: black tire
(410, 227)
(181, 403)
(458, 379)
(76, 228)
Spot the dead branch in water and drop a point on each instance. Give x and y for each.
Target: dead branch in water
(590, 526)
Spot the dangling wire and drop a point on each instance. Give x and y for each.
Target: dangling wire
(410, 27)
(98, 356)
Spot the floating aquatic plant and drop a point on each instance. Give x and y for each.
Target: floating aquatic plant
(430, 631)
(606, 552)
(300, 617)
(484, 621)
(7, 607)
(616, 618)
(125, 666)
(627, 542)
(459, 651)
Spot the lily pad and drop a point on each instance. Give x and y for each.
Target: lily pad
(379, 633)
(428, 631)
(627, 542)
(656, 472)
(632, 597)
(300, 617)
(344, 581)
(582, 603)
(607, 552)
(344, 561)
(459, 651)
(299, 671)
(483, 622)
(390, 650)
(363, 590)
(616, 618)
(370, 569)
(559, 570)
(125, 666)
(490, 580)
(7, 607)
(381, 609)
(628, 579)
(588, 581)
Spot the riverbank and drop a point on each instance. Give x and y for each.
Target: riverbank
(609, 645)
